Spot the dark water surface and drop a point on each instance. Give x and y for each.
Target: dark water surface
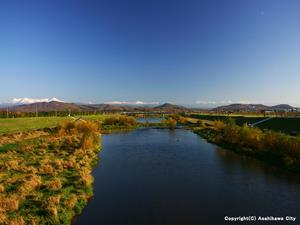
(163, 177)
(150, 119)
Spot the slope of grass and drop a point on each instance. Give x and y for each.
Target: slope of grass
(47, 180)
(283, 124)
(286, 125)
(15, 125)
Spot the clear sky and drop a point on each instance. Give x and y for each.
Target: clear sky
(210, 52)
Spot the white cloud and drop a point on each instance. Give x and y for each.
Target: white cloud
(206, 102)
(222, 102)
(33, 100)
(132, 103)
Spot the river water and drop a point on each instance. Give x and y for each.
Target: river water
(165, 177)
(150, 119)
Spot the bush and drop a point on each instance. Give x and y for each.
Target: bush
(120, 121)
(278, 147)
(218, 124)
(171, 123)
(78, 128)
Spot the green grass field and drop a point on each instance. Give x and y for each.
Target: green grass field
(286, 125)
(282, 124)
(15, 125)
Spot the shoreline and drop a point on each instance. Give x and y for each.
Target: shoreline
(210, 136)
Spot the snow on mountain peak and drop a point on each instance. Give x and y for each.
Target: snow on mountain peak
(33, 100)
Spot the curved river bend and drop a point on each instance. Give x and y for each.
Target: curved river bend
(163, 177)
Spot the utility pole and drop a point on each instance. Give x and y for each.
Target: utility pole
(36, 111)
(7, 112)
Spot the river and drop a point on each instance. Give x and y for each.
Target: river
(165, 177)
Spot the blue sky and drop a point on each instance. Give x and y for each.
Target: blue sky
(210, 52)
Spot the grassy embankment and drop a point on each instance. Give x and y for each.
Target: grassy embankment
(47, 179)
(108, 122)
(16, 125)
(282, 124)
(273, 147)
(45, 174)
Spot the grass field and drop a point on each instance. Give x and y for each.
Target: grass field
(15, 125)
(47, 179)
(282, 124)
(286, 125)
(45, 175)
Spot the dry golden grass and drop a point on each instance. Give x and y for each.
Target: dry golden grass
(52, 210)
(30, 184)
(34, 168)
(87, 142)
(27, 169)
(2, 188)
(17, 221)
(2, 218)
(9, 204)
(54, 185)
(54, 200)
(78, 127)
(219, 125)
(58, 165)
(12, 164)
(47, 169)
(12, 138)
(71, 202)
(85, 177)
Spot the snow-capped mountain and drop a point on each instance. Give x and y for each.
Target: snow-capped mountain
(25, 101)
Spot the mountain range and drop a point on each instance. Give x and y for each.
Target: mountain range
(59, 106)
(53, 106)
(253, 108)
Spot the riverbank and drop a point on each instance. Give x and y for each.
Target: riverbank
(47, 179)
(274, 148)
(46, 173)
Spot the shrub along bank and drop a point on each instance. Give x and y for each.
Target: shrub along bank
(274, 147)
(118, 123)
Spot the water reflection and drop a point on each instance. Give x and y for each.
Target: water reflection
(232, 161)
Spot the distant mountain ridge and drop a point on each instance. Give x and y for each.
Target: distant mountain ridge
(53, 106)
(253, 108)
(59, 106)
(45, 107)
(170, 107)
